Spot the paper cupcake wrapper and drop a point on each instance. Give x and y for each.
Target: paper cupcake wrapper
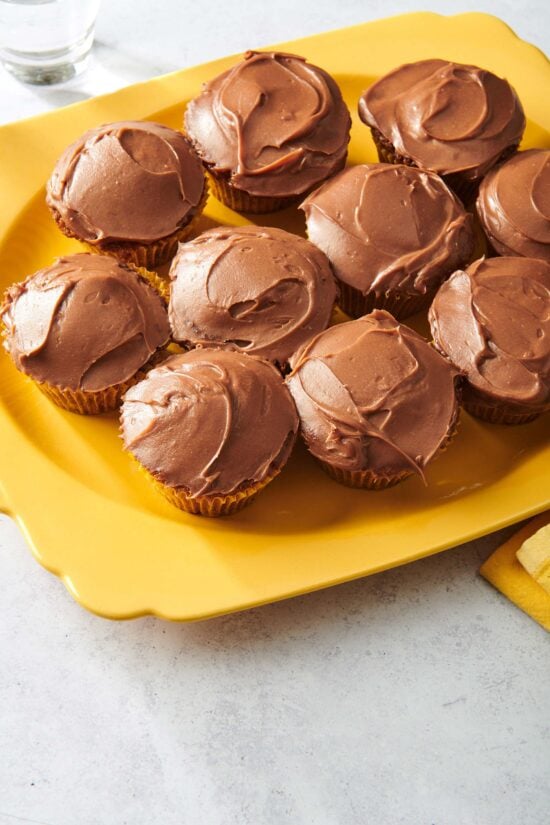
(488, 409)
(503, 414)
(210, 506)
(461, 186)
(159, 284)
(386, 150)
(354, 303)
(241, 201)
(369, 480)
(363, 479)
(149, 255)
(86, 402)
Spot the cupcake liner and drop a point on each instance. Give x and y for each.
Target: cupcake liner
(501, 414)
(241, 201)
(88, 402)
(461, 186)
(369, 480)
(454, 425)
(363, 479)
(356, 304)
(154, 280)
(83, 401)
(143, 255)
(210, 506)
(386, 150)
(491, 410)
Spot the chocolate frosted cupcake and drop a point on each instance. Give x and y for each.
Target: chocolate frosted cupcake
(376, 402)
(493, 322)
(269, 130)
(392, 235)
(211, 427)
(84, 329)
(514, 205)
(130, 189)
(262, 290)
(453, 119)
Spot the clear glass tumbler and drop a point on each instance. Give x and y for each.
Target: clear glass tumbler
(46, 41)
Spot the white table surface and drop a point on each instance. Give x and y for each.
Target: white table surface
(418, 696)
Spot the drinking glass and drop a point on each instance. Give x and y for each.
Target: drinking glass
(46, 41)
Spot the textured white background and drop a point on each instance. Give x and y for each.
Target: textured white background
(419, 696)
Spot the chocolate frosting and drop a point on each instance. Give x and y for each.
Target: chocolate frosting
(127, 181)
(273, 123)
(389, 227)
(210, 421)
(84, 323)
(263, 290)
(447, 117)
(514, 205)
(372, 394)
(493, 322)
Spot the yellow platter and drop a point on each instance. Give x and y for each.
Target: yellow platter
(89, 514)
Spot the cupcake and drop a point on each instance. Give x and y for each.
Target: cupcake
(513, 205)
(269, 130)
(211, 428)
(376, 401)
(392, 235)
(450, 118)
(262, 290)
(493, 322)
(84, 329)
(130, 189)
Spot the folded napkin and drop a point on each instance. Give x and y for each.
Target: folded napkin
(505, 572)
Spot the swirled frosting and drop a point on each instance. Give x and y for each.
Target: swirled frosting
(263, 290)
(372, 394)
(210, 421)
(127, 181)
(514, 205)
(274, 124)
(389, 227)
(493, 322)
(84, 323)
(447, 117)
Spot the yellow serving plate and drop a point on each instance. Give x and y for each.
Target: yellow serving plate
(92, 518)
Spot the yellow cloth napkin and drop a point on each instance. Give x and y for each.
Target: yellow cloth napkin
(505, 573)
